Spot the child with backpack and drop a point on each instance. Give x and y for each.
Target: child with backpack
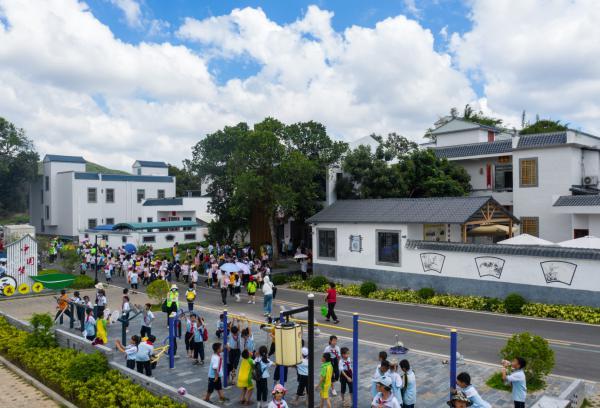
(261, 375)
(200, 335)
(251, 288)
(244, 381)
(190, 296)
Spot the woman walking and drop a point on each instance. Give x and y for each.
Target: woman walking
(267, 290)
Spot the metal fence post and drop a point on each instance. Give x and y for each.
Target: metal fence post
(225, 353)
(171, 341)
(453, 349)
(355, 361)
(311, 350)
(281, 368)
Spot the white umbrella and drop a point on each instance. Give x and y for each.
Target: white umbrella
(525, 239)
(300, 256)
(243, 267)
(588, 241)
(229, 267)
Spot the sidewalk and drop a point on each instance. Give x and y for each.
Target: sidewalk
(432, 375)
(16, 393)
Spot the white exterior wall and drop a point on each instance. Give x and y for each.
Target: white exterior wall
(65, 216)
(366, 258)
(115, 239)
(150, 171)
(525, 270)
(193, 207)
(51, 169)
(125, 207)
(558, 169)
(36, 206)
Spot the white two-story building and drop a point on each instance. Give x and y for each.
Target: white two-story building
(549, 180)
(70, 202)
(541, 178)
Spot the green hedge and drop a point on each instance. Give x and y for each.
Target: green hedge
(52, 366)
(584, 314)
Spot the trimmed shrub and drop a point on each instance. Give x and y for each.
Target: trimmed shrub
(537, 353)
(57, 368)
(317, 282)
(42, 335)
(158, 290)
(514, 303)
(84, 367)
(82, 282)
(426, 293)
(367, 288)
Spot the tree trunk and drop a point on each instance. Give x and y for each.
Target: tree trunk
(273, 239)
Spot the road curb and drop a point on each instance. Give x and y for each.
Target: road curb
(32, 381)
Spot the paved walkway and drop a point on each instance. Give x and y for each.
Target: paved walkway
(16, 393)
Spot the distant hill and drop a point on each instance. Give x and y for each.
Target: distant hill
(96, 168)
(92, 168)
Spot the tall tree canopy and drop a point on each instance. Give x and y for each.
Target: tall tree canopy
(186, 180)
(276, 169)
(398, 168)
(18, 167)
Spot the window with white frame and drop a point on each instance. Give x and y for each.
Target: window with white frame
(92, 223)
(110, 195)
(141, 195)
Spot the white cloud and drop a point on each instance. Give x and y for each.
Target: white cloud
(157, 99)
(132, 11)
(542, 56)
(412, 9)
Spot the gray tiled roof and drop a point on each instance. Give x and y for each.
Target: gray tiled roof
(474, 149)
(542, 139)
(64, 159)
(526, 250)
(163, 201)
(577, 200)
(447, 210)
(155, 164)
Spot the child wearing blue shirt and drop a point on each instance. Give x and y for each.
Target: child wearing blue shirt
(215, 373)
(463, 381)
(517, 379)
(302, 369)
(409, 390)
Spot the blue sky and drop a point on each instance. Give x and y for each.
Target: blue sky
(439, 16)
(119, 80)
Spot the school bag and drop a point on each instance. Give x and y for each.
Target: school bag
(258, 371)
(205, 335)
(190, 296)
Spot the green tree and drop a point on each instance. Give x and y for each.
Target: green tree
(186, 180)
(544, 126)
(275, 169)
(18, 167)
(399, 169)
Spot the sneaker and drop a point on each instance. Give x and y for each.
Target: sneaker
(327, 320)
(333, 392)
(249, 302)
(253, 303)
(337, 322)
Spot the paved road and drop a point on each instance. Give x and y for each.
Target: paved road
(481, 335)
(16, 393)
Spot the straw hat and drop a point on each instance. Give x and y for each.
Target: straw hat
(459, 396)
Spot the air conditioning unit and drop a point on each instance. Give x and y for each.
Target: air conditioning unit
(590, 180)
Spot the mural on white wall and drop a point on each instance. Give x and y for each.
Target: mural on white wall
(489, 266)
(558, 271)
(432, 261)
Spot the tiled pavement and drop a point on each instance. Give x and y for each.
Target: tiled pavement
(432, 375)
(16, 393)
